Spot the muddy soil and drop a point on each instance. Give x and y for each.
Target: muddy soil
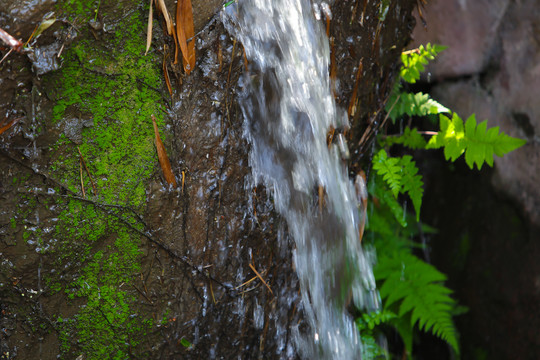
(121, 272)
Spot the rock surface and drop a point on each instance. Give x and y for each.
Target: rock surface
(493, 64)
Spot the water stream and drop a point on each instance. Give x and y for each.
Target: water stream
(288, 110)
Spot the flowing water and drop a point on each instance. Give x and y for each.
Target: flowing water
(288, 110)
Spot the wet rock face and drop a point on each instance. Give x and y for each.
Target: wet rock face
(496, 45)
(487, 244)
(196, 279)
(468, 28)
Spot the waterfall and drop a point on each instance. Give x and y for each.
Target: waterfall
(288, 110)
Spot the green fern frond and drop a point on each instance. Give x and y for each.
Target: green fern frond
(414, 61)
(417, 104)
(415, 287)
(477, 142)
(390, 170)
(401, 175)
(410, 138)
(368, 321)
(411, 183)
(378, 223)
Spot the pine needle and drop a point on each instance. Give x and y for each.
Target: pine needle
(260, 277)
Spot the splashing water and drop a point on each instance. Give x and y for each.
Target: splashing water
(288, 110)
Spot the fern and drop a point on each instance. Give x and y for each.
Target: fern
(401, 175)
(416, 288)
(368, 324)
(381, 193)
(410, 138)
(410, 288)
(390, 170)
(419, 104)
(414, 61)
(477, 142)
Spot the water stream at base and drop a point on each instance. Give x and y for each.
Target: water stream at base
(288, 109)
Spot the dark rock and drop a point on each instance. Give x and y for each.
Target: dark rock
(502, 56)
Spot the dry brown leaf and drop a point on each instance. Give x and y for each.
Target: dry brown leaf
(352, 104)
(186, 31)
(7, 126)
(162, 156)
(180, 34)
(160, 4)
(149, 30)
(166, 72)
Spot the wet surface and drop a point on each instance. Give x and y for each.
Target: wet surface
(190, 276)
(490, 252)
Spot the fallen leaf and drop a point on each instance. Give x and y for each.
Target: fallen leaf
(166, 72)
(7, 126)
(160, 4)
(149, 30)
(162, 156)
(45, 24)
(352, 104)
(186, 32)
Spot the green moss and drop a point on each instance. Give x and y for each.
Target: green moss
(115, 89)
(79, 8)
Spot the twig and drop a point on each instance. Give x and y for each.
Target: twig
(103, 207)
(260, 277)
(10, 41)
(82, 182)
(88, 172)
(143, 294)
(370, 127)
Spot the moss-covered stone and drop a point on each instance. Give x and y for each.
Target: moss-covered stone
(118, 92)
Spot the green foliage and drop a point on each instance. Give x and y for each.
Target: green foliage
(384, 5)
(185, 343)
(414, 61)
(478, 143)
(410, 138)
(416, 288)
(412, 291)
(401, 175)
(368, 325)
(419, 104)
(410, 104)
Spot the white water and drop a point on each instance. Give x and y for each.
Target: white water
(288, 110)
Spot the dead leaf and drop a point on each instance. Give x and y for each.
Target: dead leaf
(8, 125)
(352, 104)
(160, 4)
(10, 40)
(149, 30)
(162, 156)
(166, 72)
(186, 32)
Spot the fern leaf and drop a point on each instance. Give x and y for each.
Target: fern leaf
(416, 287)
(410, 138)
(412, 183)
(414, 61)
(381, 225)
(417, 104)
(479, 143)
(389, 169)
(401, 175)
